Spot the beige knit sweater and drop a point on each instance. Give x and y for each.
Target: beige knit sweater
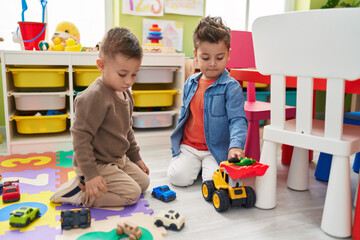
(102, 130)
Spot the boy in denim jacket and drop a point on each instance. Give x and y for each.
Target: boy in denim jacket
(212, 125)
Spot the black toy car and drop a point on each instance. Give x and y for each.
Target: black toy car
(75, 218)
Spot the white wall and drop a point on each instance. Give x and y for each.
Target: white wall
(87, 15)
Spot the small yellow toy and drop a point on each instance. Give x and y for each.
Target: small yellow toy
(63, 32)
(71, 46)
(57, 45)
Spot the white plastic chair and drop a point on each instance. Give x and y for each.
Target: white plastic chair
(310, 44)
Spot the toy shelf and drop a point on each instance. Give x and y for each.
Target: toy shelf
(13, 62)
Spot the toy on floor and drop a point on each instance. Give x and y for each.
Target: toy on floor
(130, 229)
(225, 190)
(23, 216)
(75, 218)
(7, 183)
(163, 193)
(170, 220)
(11, 193)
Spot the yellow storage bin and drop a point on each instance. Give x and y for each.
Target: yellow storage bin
(40, 124)
(257, 85)
(154, 98)
(38, 77)
(85, 76)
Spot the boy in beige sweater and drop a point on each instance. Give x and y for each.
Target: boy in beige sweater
(109, 169)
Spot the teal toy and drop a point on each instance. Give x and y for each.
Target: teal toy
(112, 235)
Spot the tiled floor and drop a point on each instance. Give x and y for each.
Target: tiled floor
(297, 215)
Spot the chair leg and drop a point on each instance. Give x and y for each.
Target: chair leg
(323, 166)
(265, 186)
(356, 227)
(356, 165)
(298, 178)
(356, 192)
(252, 145)
(337, 215)
(287, 152)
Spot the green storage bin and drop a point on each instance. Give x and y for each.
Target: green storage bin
(291, 98)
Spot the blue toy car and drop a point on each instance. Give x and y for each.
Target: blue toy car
(163, 193)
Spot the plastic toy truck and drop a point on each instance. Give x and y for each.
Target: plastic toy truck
(170, 220)
(75, 218)
(11, 193)
(225, 189)
(164, 193)
(23, 216)
(130, 229)
(7, 183)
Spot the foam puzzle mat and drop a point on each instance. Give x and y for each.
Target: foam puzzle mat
(39, 175)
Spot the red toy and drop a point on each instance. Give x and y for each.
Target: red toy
(11, 193)
(8, 183)
(224, 189)
(154, 36)
(244, 171)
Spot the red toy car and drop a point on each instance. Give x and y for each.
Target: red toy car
(11, 193)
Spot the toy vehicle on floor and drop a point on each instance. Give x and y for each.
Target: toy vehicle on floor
(11, 193)
(163, 193)
(226, 189)
(7, 183)
(130, 229)
(75, 218)
(170, 220)
(23, 216)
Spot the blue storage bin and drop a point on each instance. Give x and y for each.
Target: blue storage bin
(352, 118)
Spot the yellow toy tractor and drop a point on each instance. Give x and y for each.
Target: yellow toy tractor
(225, 189)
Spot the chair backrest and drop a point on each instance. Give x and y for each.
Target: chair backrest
(309, 44)
(242, 56)
(242, 50)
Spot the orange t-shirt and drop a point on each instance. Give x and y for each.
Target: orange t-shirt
(194, 135)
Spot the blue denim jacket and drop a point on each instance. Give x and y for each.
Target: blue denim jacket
(225, 123)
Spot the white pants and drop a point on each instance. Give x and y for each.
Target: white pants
(184, 168)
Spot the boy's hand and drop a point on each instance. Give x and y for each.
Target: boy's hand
(236, 153)
(95, 185)
(142, 165)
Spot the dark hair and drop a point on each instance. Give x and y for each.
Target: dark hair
(120, 40)
(213, 30)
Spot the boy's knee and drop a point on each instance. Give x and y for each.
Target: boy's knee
(179, 178)
(133, 195)
(207, 176)
(144, 184)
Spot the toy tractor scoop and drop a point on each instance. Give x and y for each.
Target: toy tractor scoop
(244, 168)
(224, 190)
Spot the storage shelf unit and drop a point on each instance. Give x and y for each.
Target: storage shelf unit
(26, 143)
